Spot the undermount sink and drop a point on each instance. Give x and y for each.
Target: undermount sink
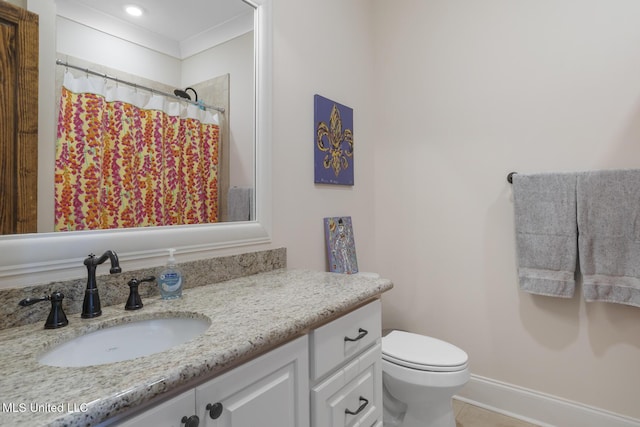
(125, 341)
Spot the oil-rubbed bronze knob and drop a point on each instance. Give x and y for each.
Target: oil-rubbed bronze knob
(215, 410)
(192, 421)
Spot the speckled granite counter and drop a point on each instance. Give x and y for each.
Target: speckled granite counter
(249, 315)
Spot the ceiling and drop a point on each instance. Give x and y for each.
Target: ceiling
(176, 21)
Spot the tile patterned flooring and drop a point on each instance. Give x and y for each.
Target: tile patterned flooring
(468, 415)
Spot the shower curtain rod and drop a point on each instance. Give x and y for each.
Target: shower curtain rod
(137, 86)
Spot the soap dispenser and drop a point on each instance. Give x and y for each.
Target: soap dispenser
(171, 280)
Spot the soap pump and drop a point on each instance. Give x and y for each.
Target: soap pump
(171, 281)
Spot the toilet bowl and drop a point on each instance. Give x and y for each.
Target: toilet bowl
(420, 375)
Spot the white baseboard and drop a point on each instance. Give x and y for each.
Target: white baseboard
(537, 408)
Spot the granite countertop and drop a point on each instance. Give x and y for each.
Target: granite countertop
(249, 315)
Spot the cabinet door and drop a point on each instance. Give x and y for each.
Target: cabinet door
(167, 414)
(352, 396)
(270, 391)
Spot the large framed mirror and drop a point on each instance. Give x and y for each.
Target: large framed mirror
(47, 256)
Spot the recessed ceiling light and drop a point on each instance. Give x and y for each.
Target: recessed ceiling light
(133, 10)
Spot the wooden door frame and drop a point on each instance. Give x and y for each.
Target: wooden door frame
(18, 120)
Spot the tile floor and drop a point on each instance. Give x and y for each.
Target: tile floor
(468, 415)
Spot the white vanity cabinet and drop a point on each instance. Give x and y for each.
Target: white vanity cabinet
(269, 391)
(346, 370)
(331, 377)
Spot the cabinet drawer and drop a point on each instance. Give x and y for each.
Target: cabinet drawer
(352, 397)
(340, 340)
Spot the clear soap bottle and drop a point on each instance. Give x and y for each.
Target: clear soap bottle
(171, 279)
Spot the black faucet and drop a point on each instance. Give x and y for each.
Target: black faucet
(91, 305)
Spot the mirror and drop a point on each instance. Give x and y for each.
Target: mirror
(32, 258)
(194, 165)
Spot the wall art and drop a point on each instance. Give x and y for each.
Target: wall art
(341, 246)
(333, 152)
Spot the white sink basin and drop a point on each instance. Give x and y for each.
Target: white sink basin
(124, 342)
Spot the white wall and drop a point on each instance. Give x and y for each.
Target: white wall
(472, 91)
(101, 48)
(321, 48)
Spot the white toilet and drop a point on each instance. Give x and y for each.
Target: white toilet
(420, 375)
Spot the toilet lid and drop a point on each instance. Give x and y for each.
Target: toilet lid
(421, 352)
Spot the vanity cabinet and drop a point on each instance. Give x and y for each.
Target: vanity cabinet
(269, 391)
(346, 370)
(331, 377)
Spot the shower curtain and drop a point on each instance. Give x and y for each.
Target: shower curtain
(128, 159)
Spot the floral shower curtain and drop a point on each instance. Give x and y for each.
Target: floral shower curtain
(127, 159)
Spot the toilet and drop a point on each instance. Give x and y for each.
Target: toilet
(420, 375)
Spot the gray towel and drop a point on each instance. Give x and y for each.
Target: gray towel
(546, 232)
(240, 203)
(609, 240)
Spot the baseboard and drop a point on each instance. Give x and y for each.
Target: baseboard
(537, 408)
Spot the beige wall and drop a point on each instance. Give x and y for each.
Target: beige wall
(470, 91)
(321, 47)
(449, 97)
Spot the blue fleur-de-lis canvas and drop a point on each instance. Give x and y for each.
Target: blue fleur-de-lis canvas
(333, 155)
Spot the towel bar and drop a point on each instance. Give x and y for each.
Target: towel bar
(510, 177)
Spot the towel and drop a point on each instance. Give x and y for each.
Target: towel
(609, 240)
(546, 232)
(240, 203)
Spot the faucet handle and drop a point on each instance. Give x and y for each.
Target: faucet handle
(56, 318)
(134, 302)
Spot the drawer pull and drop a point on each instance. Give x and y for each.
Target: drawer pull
(363, 405)
(362, 333)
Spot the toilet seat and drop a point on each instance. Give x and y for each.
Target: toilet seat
(422, 353)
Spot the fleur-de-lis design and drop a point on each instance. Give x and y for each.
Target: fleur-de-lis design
(337, 156)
